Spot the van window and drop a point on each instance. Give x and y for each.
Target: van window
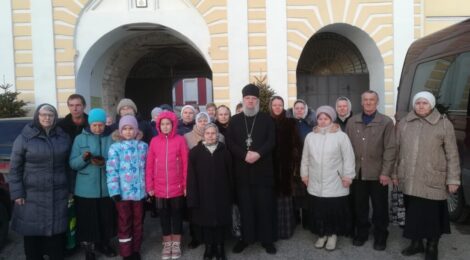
(448, 79)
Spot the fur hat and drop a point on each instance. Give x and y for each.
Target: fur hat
(128, 120)
(329, 111)
(250, 90)
(426, 95)
(126, 102)
(97, 115)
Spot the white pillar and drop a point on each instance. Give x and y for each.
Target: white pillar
(276, 30)
(7, 51)
(238, 64)
(43, 52)
(403, 30)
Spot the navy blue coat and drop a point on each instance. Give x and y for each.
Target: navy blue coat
(39, 174)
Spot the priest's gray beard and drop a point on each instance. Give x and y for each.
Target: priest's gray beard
(251, 112)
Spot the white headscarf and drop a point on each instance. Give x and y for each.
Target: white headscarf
(426, 95)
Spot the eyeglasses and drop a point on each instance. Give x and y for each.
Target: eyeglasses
(46, 115)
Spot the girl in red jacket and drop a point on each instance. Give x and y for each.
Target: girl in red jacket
(165, 178)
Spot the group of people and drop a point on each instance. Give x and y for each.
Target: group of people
(318, 168)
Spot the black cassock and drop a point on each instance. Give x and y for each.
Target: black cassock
(253, 182)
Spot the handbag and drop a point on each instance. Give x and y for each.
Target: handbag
(397, 208)
(71, 242)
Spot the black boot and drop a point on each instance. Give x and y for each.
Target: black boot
(208, 252)
(414, 248)
(431, 249)
(136, 256)
(89, 250)
(220, 252)
(106, 249)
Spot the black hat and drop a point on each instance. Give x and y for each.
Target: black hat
(250, 90)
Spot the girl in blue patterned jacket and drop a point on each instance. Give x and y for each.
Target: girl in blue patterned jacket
(126, 184)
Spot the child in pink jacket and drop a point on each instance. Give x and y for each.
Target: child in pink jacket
(165, 178)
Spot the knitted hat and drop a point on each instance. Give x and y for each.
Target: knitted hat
(126, 102)
(166, 107)
(155, 112)
(329, 111)
(426, 95)
(250, 90)
(188, 106)
(128, 120)
(97, 115)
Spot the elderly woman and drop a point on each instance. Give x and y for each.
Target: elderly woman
(427, 170)
(197, 134)
(286, 159)
(186, 123)
(328, 168)
(306, 120)
(209, 191)
(222, 116)
(39, 185)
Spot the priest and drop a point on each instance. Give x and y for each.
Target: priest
(251, 139)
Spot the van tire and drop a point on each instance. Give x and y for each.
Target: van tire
(458, 212)
(4, 225)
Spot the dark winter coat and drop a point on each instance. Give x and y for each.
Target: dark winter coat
(261, 172)
(70, 127)
(184, 128)
(306, 124)
(209, 186)
(222, 128)
(39, 175)
(342, 123)
(286, 155)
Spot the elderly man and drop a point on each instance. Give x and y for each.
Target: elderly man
(373, 140)
(251, 139)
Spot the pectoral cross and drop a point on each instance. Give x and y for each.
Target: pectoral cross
(248, 142)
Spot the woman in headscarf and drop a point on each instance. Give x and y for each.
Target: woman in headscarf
(286, 159)
(209, 191)
(39, 185)
(343, 111)
(427, 170)
(306, 120)
(197, 134)
(222, 116)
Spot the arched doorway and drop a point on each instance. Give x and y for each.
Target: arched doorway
(331, 66)
(123, 51)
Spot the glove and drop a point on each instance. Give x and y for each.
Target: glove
(116, 198)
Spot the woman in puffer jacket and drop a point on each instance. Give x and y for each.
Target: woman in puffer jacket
(328, 168)
(165, 178)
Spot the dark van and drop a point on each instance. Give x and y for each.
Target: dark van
(440, 63)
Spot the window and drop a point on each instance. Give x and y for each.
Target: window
(448, 79)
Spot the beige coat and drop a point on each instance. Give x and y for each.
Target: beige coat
(374, 145)
(428, 158)
(193, 137)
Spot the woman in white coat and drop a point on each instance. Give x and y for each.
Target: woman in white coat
(327, 168)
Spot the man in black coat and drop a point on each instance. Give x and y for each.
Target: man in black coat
(251, 140)
(77, 119)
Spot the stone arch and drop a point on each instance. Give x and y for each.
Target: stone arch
(353, 19)
(69, 53)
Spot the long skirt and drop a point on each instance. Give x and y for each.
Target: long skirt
(330, 216)
(96, 219)
(425, 218)
(285, 217)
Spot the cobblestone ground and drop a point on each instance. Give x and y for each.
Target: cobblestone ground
(454, 246)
